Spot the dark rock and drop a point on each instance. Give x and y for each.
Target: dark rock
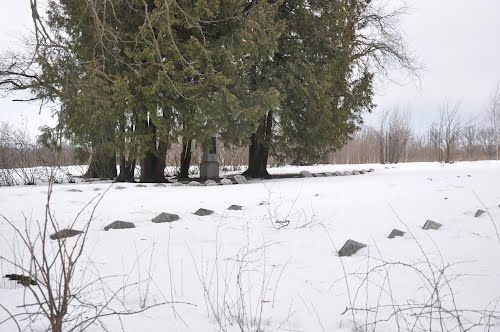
(118, 224)
(75, 190)
(120, 188)
(429, 224)
(371, 170)
(159, 185)
(350, 248)
(363, 171)
(479, 213)
(355, 172)
(203, 212)
(165, 217)
(226, 181)
(235, 207)
(330, 174)
(141, 186)
(396, 233)
(64, 233)
(347, 173)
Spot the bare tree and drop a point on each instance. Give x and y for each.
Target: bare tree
(393, 135)
(494, 115)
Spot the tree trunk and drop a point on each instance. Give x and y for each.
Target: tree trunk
(127, 170)
(185, 159)
(258, 152)
(102, 165)
(153, 168)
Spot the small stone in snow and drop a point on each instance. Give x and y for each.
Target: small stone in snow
(118, 224)
(120, 188)
(194, 184)
(347, 173)
(350, 248)
(75, 190)
(203, 212)
(355, 172)
(159, 185)
(371, 170)
(226, 181)
(177, 184)
(210, 183)
(240, 179)
(141, 186)
(395, 233)
(429, 224)
(64, 233)
(165, 217)
(329, 174)
(306, 174)
(235, 207)
(479, 213)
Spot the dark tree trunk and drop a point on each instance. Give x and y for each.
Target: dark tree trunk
(153, 168)
(185, 159)
(102, 165)
(258, 152)
(153, 164)
(127, 170)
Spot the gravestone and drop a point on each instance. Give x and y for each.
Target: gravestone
(118, 224)
(371, 170)
(350, 248)
(347, 173)
(396, 233)
(329, 174)
(226, 181)
(235, 207)
(306, 174)
(64, 233)
(203, 212)
(355, 172)
(165, 217)
(363, 171)
(479, 213)
(209, 167)
(429, 224)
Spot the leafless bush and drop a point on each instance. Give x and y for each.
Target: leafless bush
(393, 136)
(241, 289)
(50, 267)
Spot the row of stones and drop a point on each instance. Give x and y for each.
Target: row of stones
(351, 246)
(307, 174)
(119, 224)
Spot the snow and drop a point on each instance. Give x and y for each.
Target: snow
(275, 265)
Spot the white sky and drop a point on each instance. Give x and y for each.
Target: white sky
(456, 40)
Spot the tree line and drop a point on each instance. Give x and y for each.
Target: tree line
(131, 79)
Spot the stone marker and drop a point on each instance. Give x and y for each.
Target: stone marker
(226, 181)
(209, 167)
(235, 207)
(203, 212)
(429, 224)
(350, 248)
(141, 186)
(395, 233)
(118, 224)
(165, 217)
(371, 170)
(97, 189)
(347, 173)
(64, 233)
(263, 203)
(120, 188)
(177, 184)
(355, 172)
(194, 184)
(363, 171)
(479, 213)
(75, 190)
(210, 183)
(329, 174)
(337, 173)
(306, 174)
(240, 179)
(159, 185)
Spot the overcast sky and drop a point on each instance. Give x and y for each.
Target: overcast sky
(456, 40)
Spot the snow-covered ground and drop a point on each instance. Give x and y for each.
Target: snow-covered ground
(274, 266)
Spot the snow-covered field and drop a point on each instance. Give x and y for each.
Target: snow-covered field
(273, 266)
